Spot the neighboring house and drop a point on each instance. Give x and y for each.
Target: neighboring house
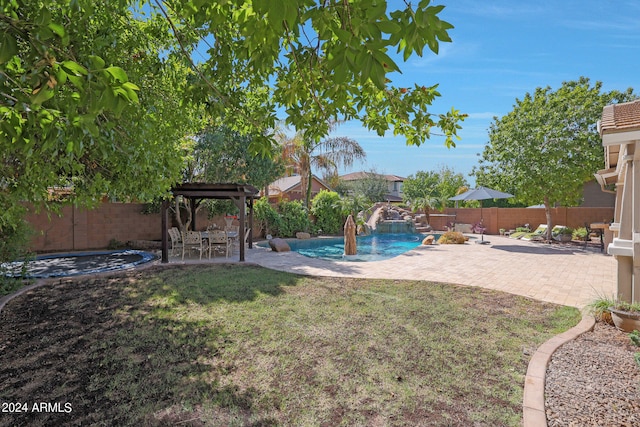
(394, 184)
(594, 197)
(289, 188)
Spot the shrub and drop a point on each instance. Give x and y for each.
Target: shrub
(580, 234)
(267, 217)
(452, 237)
(14, 245)
(325, 207)
(294, 217)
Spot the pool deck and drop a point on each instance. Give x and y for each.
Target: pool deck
(558, 273)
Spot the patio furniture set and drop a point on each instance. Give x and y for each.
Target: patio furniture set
(211, 242)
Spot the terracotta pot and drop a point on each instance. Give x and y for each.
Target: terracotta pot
(624, 320)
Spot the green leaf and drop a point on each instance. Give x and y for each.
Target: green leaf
(8, 47)
(388, 27)
(74, 68)
(97, 63)
(57, 28)
(42, 95)
(117, 73)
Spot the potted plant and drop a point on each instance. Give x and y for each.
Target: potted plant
(565, 234)
(502, 230)
(624, 315)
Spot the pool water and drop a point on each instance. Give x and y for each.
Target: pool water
(375, 247)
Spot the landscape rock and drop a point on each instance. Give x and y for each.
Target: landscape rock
(428, 240)
(279, 245)
(303, 235)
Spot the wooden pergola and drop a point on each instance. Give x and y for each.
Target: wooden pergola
(242, 195)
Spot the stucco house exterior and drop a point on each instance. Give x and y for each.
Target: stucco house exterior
(394, 184)
(290, 188)
(619, 129)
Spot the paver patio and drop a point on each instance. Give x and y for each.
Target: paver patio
(562, 274)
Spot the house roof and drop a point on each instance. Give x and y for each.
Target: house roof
(288, 183)
(354, 176)
(619, 125)
(620, 117)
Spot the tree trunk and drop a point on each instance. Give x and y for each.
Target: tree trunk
(307, 197)
(547, 212)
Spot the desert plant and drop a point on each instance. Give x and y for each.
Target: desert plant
(580, 234)
(452, 237)
(600, 309)
(568, 231)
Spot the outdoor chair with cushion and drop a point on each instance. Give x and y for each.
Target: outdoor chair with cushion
(538, 234)
(478, 228)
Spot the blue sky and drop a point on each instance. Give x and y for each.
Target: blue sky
(500, 51)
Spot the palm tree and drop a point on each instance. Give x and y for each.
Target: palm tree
(301, 155)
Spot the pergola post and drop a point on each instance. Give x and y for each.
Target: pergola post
(164, 213)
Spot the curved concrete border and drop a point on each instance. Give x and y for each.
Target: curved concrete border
(46, 281)
(5, 299)
(533, 408)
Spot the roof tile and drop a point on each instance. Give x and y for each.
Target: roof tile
(620, 117)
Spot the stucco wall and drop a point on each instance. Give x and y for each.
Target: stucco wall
(510, 218)
(81, 229)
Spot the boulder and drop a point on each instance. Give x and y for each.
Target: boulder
(428, 240)
(303, 235)
(279, 245)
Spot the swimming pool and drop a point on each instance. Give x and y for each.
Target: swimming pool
(77, 263)
(375, 247)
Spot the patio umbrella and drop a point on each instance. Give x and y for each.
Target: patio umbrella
(481, 193)
(350, 236)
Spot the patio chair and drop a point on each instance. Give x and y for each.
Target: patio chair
(538, 234)
(192, 240)
(235, 243)
(219, 242)
(519, 234)
(478, 228)
(176, 241)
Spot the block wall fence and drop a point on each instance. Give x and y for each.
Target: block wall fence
(510, 218)
(81, 229)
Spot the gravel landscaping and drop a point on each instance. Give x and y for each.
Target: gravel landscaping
(594, 381)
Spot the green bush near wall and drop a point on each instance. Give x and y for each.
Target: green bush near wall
(329, 217)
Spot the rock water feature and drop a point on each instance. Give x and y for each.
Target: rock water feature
(391, 219)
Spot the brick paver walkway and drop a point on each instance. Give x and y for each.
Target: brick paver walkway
(562, 274)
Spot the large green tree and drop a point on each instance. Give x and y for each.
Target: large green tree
(71, 114)
(548, 146)
(95, 94)
(222, 155)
